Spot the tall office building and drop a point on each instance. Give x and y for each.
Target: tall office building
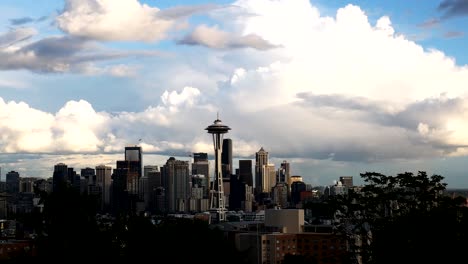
(296, 188)
(74, 178)
(245, 171)
(177, 184)
(149, 182)
(12, 182)
(103, 180)
(200, 156)
(284, 172)
(226, 158)
(120, 201)
(89, 174)
(60, 177)
(280, 194)
(261, 160)
(134, 154)
(149, 168)
(27, 184)
(125, 180)
(201, 166)
(269, 178)
(347, 181)
(226, 168)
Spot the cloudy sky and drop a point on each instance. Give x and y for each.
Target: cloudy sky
(334, 87)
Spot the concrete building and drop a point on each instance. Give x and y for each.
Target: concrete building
(283, 234)
(285, 220)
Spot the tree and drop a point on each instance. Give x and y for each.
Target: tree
(402, 219)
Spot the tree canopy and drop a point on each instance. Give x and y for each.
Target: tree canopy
(407, 218)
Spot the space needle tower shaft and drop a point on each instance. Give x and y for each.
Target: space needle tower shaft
(217, 199)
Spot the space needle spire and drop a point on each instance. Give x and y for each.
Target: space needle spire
(217, 199)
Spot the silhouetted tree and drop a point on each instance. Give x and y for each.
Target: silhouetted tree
(70, 231)
(403, 219)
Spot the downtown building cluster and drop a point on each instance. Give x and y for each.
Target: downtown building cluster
(258, 204)
(178, 186)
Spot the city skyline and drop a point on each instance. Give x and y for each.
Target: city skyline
(335, 88)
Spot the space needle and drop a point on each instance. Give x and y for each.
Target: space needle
(217, 200)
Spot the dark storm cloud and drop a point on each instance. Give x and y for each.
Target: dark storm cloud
(386, 134)
(432, 111)
(58, 54)
(452, 8)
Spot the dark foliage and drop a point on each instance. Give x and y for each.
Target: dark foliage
(69, 233)
(403, 219)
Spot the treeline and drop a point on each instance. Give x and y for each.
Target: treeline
(407, 218)
(67, 231)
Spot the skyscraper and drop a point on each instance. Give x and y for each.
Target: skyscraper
(245, 171)
(125, 180)
(226, 158)
(200, 156)
(347, 181)
(177, 184)
(12, 182)
(261, 160)
(201, 166)
(103, 180)
(60, 177)
(217, 203)
(284, 172)
(89, 174)
(134, 154)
